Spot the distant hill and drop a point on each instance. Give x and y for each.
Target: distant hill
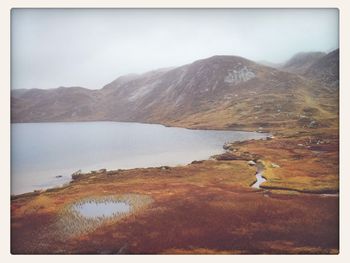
(300, 62)
(61, 104)
(326, 69)
(228, 92)
(270, 64)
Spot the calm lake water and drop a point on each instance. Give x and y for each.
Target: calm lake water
(44, 155)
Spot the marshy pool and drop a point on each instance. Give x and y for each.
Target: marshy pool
(86, 214)
(98, 209)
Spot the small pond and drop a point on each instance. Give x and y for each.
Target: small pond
(98, 209)
(86, 214)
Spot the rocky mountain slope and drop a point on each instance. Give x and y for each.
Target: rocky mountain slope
(218, 92)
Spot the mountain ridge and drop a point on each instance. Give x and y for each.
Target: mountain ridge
(225, 92)
(301, 61)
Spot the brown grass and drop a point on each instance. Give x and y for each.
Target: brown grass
(306, 163)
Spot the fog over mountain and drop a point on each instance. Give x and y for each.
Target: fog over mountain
(91, 47)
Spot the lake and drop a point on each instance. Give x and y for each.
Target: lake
(44, 155)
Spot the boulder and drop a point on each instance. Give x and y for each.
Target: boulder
(227, 156)
(77, 172)
(196, 162)
(251, 163)
(273, 165)
(226, 146)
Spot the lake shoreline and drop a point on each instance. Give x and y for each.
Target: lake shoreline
(216, 157)
(276, 134)
(248, 128)
(81, 175)
(204, 150)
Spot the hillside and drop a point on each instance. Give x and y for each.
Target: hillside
(326, 70)
(300, 62)
(74, 103)
(227, 92)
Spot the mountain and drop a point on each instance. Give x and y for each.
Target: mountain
(300, 62)
(270, 64)
(61, 104)
(228, 92)
(326, 69)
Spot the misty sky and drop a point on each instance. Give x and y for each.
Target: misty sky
(92, 47)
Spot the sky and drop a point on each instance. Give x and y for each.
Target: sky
(92, 47)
